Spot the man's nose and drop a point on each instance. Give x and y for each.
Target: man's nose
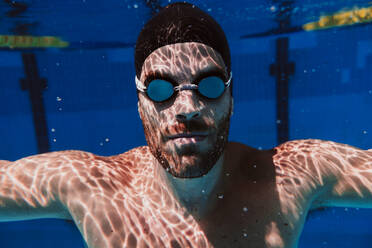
(189, 107)
(185, 117)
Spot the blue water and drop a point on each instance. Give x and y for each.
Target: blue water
(91, 103)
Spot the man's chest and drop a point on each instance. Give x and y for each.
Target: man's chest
(251, 216)
(247, 217)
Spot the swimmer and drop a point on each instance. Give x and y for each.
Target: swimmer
(189, 187)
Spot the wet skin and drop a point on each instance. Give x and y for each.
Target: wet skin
(246, 198)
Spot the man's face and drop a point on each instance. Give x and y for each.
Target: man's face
(187, 133)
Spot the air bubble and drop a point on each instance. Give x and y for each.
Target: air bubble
(58, 99)
(245, 235)
(245, 209)
(365, 132)
(220, 196)
(101, 143)
(135, 6)
(53, 130)
(107, 139)
(278, 121)
(54, 140)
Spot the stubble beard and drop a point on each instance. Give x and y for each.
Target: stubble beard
(190, 162)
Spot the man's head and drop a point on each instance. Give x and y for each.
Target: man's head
(188, 132)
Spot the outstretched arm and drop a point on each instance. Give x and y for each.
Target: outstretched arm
(335, 174)
(351, 176)
(32, 187)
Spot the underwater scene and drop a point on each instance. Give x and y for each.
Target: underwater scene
(300, 70)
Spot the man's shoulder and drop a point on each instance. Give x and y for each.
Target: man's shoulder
(311, 146)
(300, 144)
(83, 159)
(289, 155)
(140, 151)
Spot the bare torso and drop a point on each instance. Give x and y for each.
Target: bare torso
(120, 201)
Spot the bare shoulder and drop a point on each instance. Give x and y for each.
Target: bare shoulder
(314, 145)
(81, 164)
(317, 155)
(121, 167)
(301, 160)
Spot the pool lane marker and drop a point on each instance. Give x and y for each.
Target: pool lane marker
(341, 18)
(28, 41)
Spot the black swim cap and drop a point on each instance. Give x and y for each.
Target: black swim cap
(178, 23)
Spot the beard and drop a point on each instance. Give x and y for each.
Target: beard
(190, 161)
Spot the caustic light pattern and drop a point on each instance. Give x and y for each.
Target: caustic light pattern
(114, 201)
(122, 201)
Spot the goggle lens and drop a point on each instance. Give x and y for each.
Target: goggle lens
(160, 90)
(210, 87)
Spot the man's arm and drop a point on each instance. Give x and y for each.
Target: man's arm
(350, 178)
(334, 174)
(32, 187)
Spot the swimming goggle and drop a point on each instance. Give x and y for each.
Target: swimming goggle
(160, 90)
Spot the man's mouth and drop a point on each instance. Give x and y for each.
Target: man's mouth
(188, 138)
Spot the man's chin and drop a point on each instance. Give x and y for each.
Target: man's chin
(190, 171)
(191, 160)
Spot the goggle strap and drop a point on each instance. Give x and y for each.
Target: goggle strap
(140, 86)
(229, 81)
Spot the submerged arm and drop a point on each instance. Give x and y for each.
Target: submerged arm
(350, 177)
(333, 174)
(32, 187)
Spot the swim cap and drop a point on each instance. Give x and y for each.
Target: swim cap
(178, 23)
